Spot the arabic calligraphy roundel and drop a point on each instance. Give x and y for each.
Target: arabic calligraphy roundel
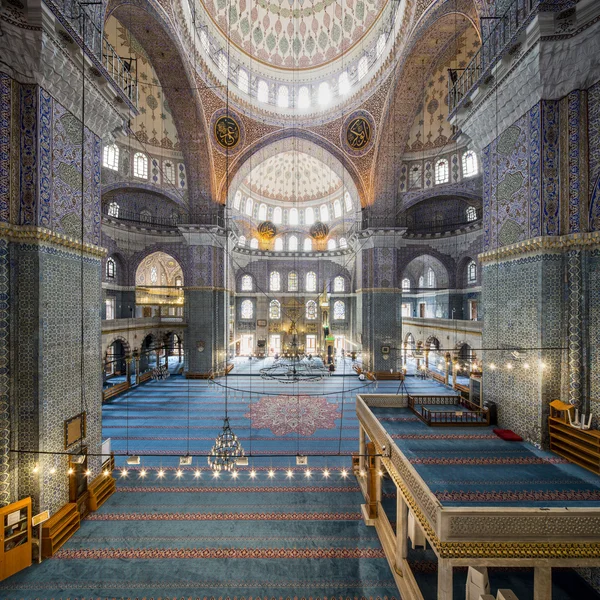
(228, 131)
(358, 133)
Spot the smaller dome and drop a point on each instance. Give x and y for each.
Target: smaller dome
(319, 231)
(267, 230)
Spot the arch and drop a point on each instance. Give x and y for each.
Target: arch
(416, 263)
(293, 139)
(158, 269)
(463, 351)
(127, 186)
(462, 272)
(124, 342)
(444, 22)
(147, 22)
(432, 341)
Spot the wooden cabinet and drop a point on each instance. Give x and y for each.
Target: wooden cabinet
(580, 446)
(16, 537)
(101, 489)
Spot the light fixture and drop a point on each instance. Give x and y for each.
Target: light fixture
(345, 473)
(160, 474)
(133, 460)
(78, 459)
(179, 473)
(326, 473)
(227, 448)
(290, 474)
(252, 474)
(185, 461)
(197, 473)
(271, 473)
(301, 460)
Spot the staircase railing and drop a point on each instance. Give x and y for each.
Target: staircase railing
(502, 34)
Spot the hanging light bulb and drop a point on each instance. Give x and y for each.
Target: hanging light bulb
(326, 473)
(344, 473)
(252, 474)
(271, 473)
(226, 450)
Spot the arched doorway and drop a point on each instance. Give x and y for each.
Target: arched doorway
(114, 363)
(159, 288)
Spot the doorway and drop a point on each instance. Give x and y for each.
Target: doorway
(247, 344)
(311, 344)
(275, 344)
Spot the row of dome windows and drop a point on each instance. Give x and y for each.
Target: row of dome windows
(292, 244)
(278, 215)
(283, 95)
(110, 160)
(429, 280)
(275, 284)
(247, 310)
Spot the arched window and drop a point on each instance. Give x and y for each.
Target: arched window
(311, 310)
(472, 272)
(337, 209)
(309, 216)
(339, 310)
(441, 171)
(275, 281)
(331, 245)
(311, 282)
(469, 164)
(110, 158)
(307, 245)
(343, 83)
(277, 215)
(348, 202)
(304, 97)
(283, 96)
(169, 172)
(292, 281)
(111, 268)
(140, 165)
(380, 45)
(274, 309)
(153, 275)
(242, 241)
(242, 80)
(293, 243)
(471, 213)
(223, 63)
(324, 93)
(363, 67)
(279, 244)
(113, 210)
(324, 213)
(237, 200)
(254, 244)
(343, 242)
(339, 284)
(430, 278)
(247, 309)
(262, 212)
(249, 206)
(293, 218)
(262, 91)
(421, 281)
(204, 40)
(247, 283)
(406, 284)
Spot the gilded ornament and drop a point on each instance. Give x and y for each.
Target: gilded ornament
(358, 133)
(267, 230)
(227, 132)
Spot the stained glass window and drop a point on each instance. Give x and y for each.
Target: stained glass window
(311, 310)
(275, 281)
(339, 310)
(469, 164)
(274, 310)
(247, 283)
(311, 282)
(247, 310)
(339, 284)
(292, 281)
(140, 165)
(441, 171)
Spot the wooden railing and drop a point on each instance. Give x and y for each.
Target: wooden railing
(473, 415)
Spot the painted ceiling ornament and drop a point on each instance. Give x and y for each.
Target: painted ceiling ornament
(319, 231)
(228, 131)
(267, 230)
(358, 133)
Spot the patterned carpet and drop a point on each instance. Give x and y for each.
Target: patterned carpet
(277, 531)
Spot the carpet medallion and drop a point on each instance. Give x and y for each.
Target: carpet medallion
(293, 414)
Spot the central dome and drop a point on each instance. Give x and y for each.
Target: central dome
(294, 34)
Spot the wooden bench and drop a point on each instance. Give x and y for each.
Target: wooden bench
(437, 377)
(59, 528)
(114, 390)
(101, 489)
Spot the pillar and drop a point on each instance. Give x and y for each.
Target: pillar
(401, 532)
(445, 579)
(206, 302)
(361, 448)
(373, 482)
(542, 583)
(379, 301)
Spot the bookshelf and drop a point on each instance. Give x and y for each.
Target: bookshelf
(16, 537)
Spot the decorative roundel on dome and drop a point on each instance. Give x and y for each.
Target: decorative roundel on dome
(228, 131)
(358, 133)
(319, 231)
(267, 230)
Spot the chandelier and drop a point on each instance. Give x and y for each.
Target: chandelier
(226, 451)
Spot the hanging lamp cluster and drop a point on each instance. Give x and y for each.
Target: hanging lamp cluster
(226, 450)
